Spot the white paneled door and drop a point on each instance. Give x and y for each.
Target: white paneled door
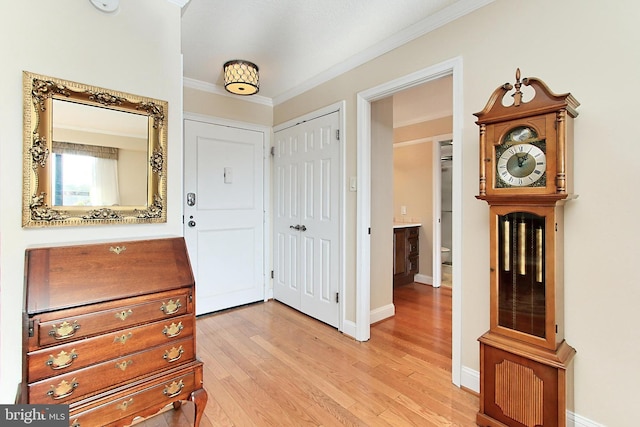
(224, 214)
(306, 217)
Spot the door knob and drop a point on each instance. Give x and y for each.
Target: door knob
(295, 227)
(303, 228)
(191, 223)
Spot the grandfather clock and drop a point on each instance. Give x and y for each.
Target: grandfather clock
(526, 177)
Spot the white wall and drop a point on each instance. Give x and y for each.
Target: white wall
(136, 50)
(382, 208)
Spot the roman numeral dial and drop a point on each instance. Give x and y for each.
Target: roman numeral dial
(521, 165)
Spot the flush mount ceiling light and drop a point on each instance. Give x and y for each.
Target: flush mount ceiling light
(241, 77)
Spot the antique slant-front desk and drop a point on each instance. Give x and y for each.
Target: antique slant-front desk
(110, 330)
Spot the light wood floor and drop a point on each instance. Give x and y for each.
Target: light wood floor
(268, 365)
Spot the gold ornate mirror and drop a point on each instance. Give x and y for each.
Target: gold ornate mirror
(91, 155)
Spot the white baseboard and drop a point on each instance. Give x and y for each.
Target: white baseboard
(349, 328)
(382, 313)
(423, 278)
(575, 420)
(470, 379)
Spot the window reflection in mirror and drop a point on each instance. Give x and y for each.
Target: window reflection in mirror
(99, 156)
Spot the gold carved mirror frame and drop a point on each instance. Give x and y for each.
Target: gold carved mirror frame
(39, 207)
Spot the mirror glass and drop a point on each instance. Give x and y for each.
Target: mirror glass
(92, 156)
(98, 156)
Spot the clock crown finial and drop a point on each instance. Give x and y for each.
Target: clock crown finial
(517, 96)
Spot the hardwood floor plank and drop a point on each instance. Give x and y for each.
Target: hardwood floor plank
(269, 365)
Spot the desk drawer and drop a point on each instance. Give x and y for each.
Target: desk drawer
(69, 326)
(78, 384)
(122, 407)
(68, 357)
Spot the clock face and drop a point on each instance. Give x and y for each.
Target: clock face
(521, 165)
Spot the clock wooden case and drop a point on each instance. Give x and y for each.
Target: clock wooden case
(526, 152)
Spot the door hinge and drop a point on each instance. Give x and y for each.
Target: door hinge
(556, 329)
(273, 151)
(369, 230)
(30, 328)
(337, 297)
(272, 274)
(338, 134)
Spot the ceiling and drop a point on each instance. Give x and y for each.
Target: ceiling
(298, 44)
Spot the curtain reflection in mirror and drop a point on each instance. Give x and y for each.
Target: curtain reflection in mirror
(85, 175)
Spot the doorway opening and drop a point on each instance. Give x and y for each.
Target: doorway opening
(363, 258)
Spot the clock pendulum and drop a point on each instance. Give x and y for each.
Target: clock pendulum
(526, 162)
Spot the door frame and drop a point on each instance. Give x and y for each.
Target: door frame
(340, 108)
(363, 217)
(266, 187)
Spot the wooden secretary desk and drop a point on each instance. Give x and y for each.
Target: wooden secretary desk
(109, 329)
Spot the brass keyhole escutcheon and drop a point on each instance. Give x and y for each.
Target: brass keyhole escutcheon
(122, 338)
(124, 364)
(122, 315)
(125, 404)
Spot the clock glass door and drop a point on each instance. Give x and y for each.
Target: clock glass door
(521, 281)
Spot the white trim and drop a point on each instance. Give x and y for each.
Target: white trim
(349, 328)
(180, 3)
(266, 186)
(422, 119)
(423, 278)
(363, 221)
(575, 420)
(470, 379)
(344, 325)
(219, 90)
(433, 22)
(382, 313)
(438, 138)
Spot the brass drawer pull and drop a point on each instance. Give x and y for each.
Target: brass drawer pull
(173, 389)
(63, 389)
(171, 307)
(124, 364)
(122, 315)
(62, 359)
(64, 330)
(173, 330)
(125, 404)
(122, 338)
(173, 355)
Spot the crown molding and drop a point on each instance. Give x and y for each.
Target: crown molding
(180, 3)
(435, 21)
(219, 90)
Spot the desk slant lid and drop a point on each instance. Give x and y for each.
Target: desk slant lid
(71, 276)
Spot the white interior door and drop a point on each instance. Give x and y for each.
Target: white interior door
(224, 214)
(306, 217)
